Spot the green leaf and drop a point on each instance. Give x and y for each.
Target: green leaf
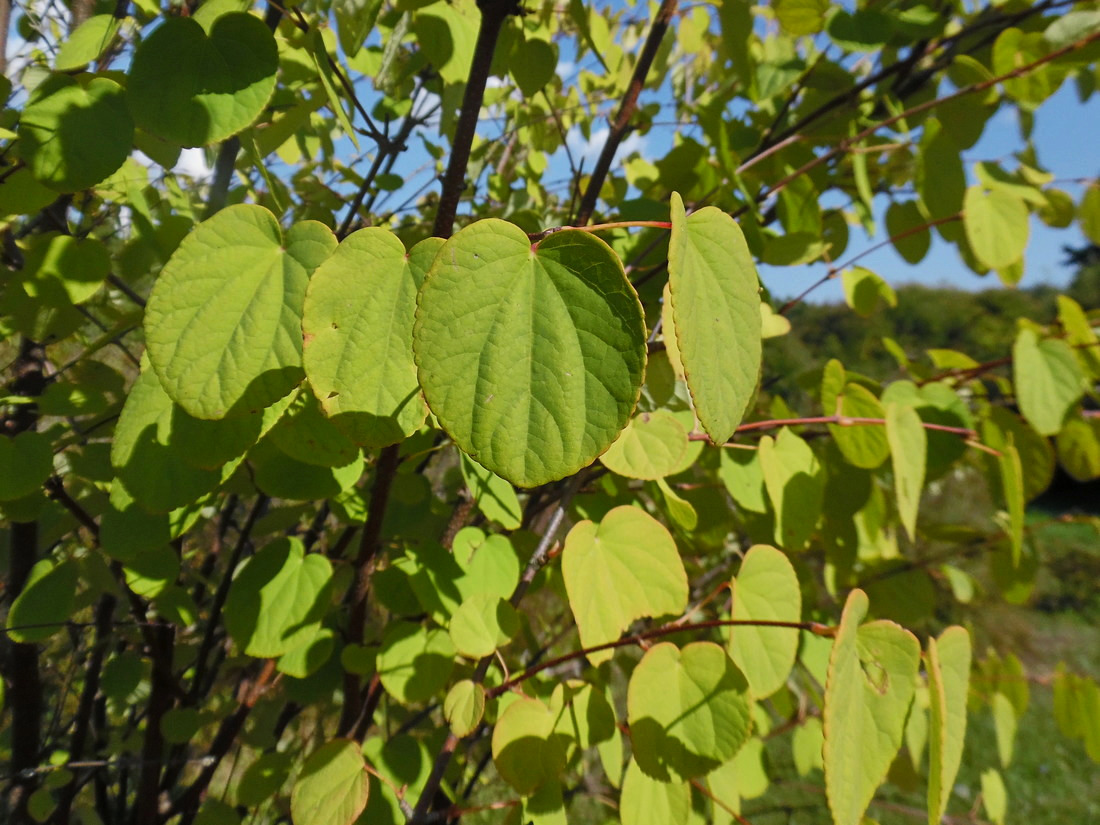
(148, 452)
(1088, 212)
(193, 89)
(948, 683)
(651, 447)
(1079, 448)
(795, 484)
(716, 305)
(264, 778)
(1047, 379)
(634, 550)
(765, 588)
(280, 476)
(61, 270)
(483, 623)
(477, 564)
(532, 64)
(908, 231)
(278, 600)
(355, 19)
(994, 796)
(865, 292)
(26, 461)
(223, 323)
(806, 746)
(333, 786)
(647, 801)
(1004, 726)
(46, 602)
(526, 749)
(865, 30)
(862, 445)
(530, 357)
(74, 132)
(87, 42)
(415, 663)
(688, 710)
(464, 707)
(304, 434)
(358, 322)
(870, 685)
(495, 497)
(318, 50)
(799, 17)
(996, 224)
(908, 448)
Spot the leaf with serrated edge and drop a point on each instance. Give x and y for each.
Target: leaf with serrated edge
(333, 786)
(948, 683)
(868, 690)
(224, 320)
(636, 552)
(716, 305)
(766, 587)
(530, 356)
(357, 323)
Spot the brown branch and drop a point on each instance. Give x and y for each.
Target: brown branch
(670, 629)
(838, 268)
(538, 559)
(493, 15)
(370, 543)
(843, 146)
(621, 124)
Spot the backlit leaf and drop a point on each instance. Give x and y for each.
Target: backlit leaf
(948, 682)
(716, 304)
(1047, 378)
(74, 132)
(688, 710)
(46, 602)
(795, 484)
(192, 88)
(765, 588)
(651, 447)
(634, 550)
(531, 357)
(908, 448)
(464, 707)
(333, 786)
(278, 600)
(358, 321)
(872, 673)
(647, 801)
(223, 323)
(996, 224)
(526, 749)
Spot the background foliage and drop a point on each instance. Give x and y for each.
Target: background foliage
(408, 468)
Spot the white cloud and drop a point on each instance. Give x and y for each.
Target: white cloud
(589, 150)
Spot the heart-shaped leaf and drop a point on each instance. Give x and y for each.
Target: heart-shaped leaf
(277, 601)
(635, 551)
(193, 89)
(766, 588)
(224, 320)
(531, 356)
(870, 684)
(716, 304)
(333, 786)
(688, 709)
(358, 322)
(25, 462)
(75, 132)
